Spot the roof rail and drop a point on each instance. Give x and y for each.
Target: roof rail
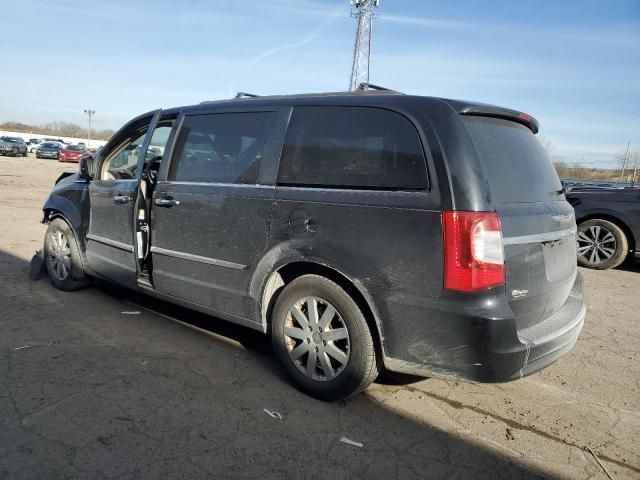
(245, 94)
(363, 87)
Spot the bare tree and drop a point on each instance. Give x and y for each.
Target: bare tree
(59, 128)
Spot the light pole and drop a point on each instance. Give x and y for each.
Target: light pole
(90, 114)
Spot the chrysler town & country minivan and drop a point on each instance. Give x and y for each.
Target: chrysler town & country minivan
(361, 230)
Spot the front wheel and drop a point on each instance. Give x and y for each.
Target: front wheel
(601, 244)
(62, 257)
(322, 339)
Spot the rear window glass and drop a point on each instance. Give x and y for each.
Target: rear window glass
(516, 165)
(352, 147)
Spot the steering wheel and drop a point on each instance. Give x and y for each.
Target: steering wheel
(152, 169)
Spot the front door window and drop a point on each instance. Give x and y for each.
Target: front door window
(122, 162)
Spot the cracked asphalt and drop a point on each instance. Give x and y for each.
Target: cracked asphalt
(87, 391)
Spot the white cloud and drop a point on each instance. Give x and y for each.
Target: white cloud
(307, 39)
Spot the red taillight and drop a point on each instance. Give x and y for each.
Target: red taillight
(473, 253)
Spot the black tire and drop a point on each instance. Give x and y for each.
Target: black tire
(24, 154)
(74, 277)
(362, 365)
(15, 152)
(37, 156)
(601, 244)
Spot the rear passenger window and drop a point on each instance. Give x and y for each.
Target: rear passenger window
(220, 147)
(352, 147)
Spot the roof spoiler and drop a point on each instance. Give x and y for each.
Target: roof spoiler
(499, 112)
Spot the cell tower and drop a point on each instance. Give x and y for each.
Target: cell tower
(363, 11)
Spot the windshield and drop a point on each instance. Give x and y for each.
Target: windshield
(75, 147)
(10, 139)
(50, 145)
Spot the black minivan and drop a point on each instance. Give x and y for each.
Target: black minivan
(361, 230)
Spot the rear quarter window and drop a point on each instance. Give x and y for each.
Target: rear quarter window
(516, 165)
(352, 147)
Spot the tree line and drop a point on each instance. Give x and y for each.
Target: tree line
(61, 129)
(626, 169)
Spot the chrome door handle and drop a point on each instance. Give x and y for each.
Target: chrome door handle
(121, 199)
(166, 202)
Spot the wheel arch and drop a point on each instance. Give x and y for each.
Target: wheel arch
(287, 271)
(51, 214)
(58, 205)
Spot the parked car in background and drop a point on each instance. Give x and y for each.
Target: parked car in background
(59, 140)
(608, 225)
(49, 150)
(13, 146)
(74, 153)
(359, 230)
(32, 145)
(95, 151)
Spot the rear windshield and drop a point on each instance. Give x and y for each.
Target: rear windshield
(515, 163)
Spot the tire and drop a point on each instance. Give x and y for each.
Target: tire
(60, 243)
(37, 156)
(601, 244)
(15, 152)
(339, 366)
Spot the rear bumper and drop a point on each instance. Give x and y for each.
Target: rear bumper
(491, 349)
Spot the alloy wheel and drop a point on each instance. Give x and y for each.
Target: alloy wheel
(317, 339)
(596, 244)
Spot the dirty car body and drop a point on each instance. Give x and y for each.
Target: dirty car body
(403, 202)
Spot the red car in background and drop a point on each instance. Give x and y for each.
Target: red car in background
(74, 153)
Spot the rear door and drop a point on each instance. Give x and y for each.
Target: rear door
(211, 213)
(538, 224)
(353, 193)
(111, 245)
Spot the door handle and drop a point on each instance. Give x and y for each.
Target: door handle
(121, 199)
(166, 202)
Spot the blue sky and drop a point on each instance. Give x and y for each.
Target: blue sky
(573, 64)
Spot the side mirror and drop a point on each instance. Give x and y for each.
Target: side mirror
(86, 167)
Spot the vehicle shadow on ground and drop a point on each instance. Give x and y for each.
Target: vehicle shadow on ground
(630, 265)
(197, 412)
(253, 341)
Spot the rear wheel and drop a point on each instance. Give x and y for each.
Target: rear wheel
(601, 244)
(322, 339)
(62, 257)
